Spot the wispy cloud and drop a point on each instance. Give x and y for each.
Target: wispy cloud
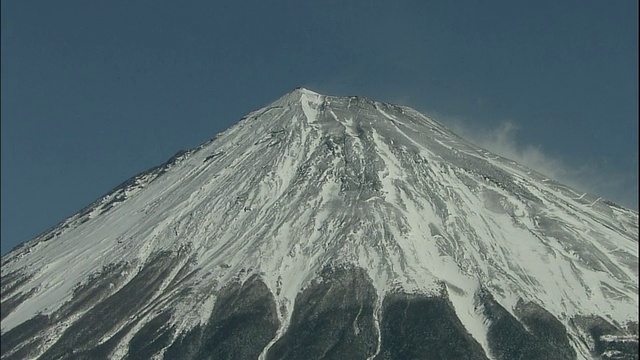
(589, 175)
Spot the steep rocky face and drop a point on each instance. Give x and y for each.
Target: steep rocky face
(333, 318)
(327, 227)
(423, 327)
(243, 321)
(530, 333)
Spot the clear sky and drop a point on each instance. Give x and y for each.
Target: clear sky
(94, 92)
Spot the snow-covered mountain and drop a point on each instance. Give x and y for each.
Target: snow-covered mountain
(325, 227)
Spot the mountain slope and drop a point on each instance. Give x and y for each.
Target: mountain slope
(321, 222)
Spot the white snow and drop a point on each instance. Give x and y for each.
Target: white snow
(271, 204)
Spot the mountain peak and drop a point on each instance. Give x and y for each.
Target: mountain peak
(297, 95)
(304, 90)
(320, 205)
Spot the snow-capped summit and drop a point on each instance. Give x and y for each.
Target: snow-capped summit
(330, 227)
(304, 90)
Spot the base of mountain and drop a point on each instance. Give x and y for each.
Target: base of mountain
(336, 317)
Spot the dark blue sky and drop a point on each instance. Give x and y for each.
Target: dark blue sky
(94, 92)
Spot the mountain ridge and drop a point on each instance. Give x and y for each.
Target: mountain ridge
(314, 182)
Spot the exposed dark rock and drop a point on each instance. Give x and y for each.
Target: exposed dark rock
(424, 327)
(22, 341)
(243, 321)
(118, 308)
(95, 289)
(102, 351)
(212, 156)
(186, 345)
(9, 304)
(610, 341)
(508, 338)
(546, 328)
(100, 286)
(151, 338)
(331, 319)
(12, 281)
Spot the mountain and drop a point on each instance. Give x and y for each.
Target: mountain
(325, 227)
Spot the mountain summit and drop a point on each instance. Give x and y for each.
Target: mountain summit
(324, 227)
